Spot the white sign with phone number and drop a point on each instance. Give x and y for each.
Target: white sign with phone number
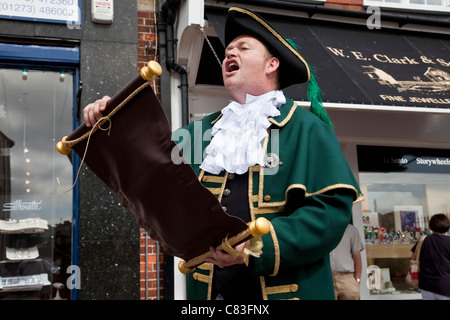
(64, 11)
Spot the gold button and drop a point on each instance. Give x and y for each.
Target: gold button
(226, 192)
(267, 198)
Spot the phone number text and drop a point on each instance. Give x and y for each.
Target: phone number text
(56, 9)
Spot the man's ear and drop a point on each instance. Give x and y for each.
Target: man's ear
(272, 65)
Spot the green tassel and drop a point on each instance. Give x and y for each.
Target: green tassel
(314, 94)
(293, 44)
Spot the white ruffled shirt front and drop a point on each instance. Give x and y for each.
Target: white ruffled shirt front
(237, 135)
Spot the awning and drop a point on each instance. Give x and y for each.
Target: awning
(361, 66)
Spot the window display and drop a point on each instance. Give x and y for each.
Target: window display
(403, 188)
(35, 217)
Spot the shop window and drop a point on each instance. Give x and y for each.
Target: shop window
(35, 216)
(403, 188)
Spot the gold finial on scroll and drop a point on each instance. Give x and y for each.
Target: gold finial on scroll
(183, 269)
(259, 227)
(152, 70)
(62, 148)
(255, 229)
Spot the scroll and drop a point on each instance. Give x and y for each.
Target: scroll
(130, 149)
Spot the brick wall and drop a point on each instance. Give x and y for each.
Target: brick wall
(147, 50)
(147, 36)
(150, 275)
(355, 5)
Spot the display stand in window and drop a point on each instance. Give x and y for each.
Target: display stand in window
(21, 269)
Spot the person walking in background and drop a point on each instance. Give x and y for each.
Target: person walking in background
(346, 265)
(434, 276)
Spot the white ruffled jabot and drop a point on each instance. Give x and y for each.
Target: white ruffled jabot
(236, 143)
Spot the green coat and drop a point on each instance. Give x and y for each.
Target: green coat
(308, 199)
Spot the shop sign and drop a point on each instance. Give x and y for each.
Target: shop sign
(356, 65)
(19, 205)
(428, 83)
(394, 159)
(55, 11)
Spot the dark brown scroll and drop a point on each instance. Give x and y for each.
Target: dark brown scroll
(133, 159)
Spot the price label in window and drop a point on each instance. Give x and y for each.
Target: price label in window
(56, 11)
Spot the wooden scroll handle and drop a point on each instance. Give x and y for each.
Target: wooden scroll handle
(149, 72)
(256, 229)
(152, 70)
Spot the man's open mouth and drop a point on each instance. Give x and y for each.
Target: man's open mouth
(232, 66)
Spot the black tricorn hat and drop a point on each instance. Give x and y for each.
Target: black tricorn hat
(293, 68)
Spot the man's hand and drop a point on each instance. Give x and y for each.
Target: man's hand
(223, 259)
(93, 111)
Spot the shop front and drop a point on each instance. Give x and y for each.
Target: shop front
(55, 58)
(404, 187)
(387, 92)
(38, 91)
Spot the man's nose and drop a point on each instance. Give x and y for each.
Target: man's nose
(230, 53)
